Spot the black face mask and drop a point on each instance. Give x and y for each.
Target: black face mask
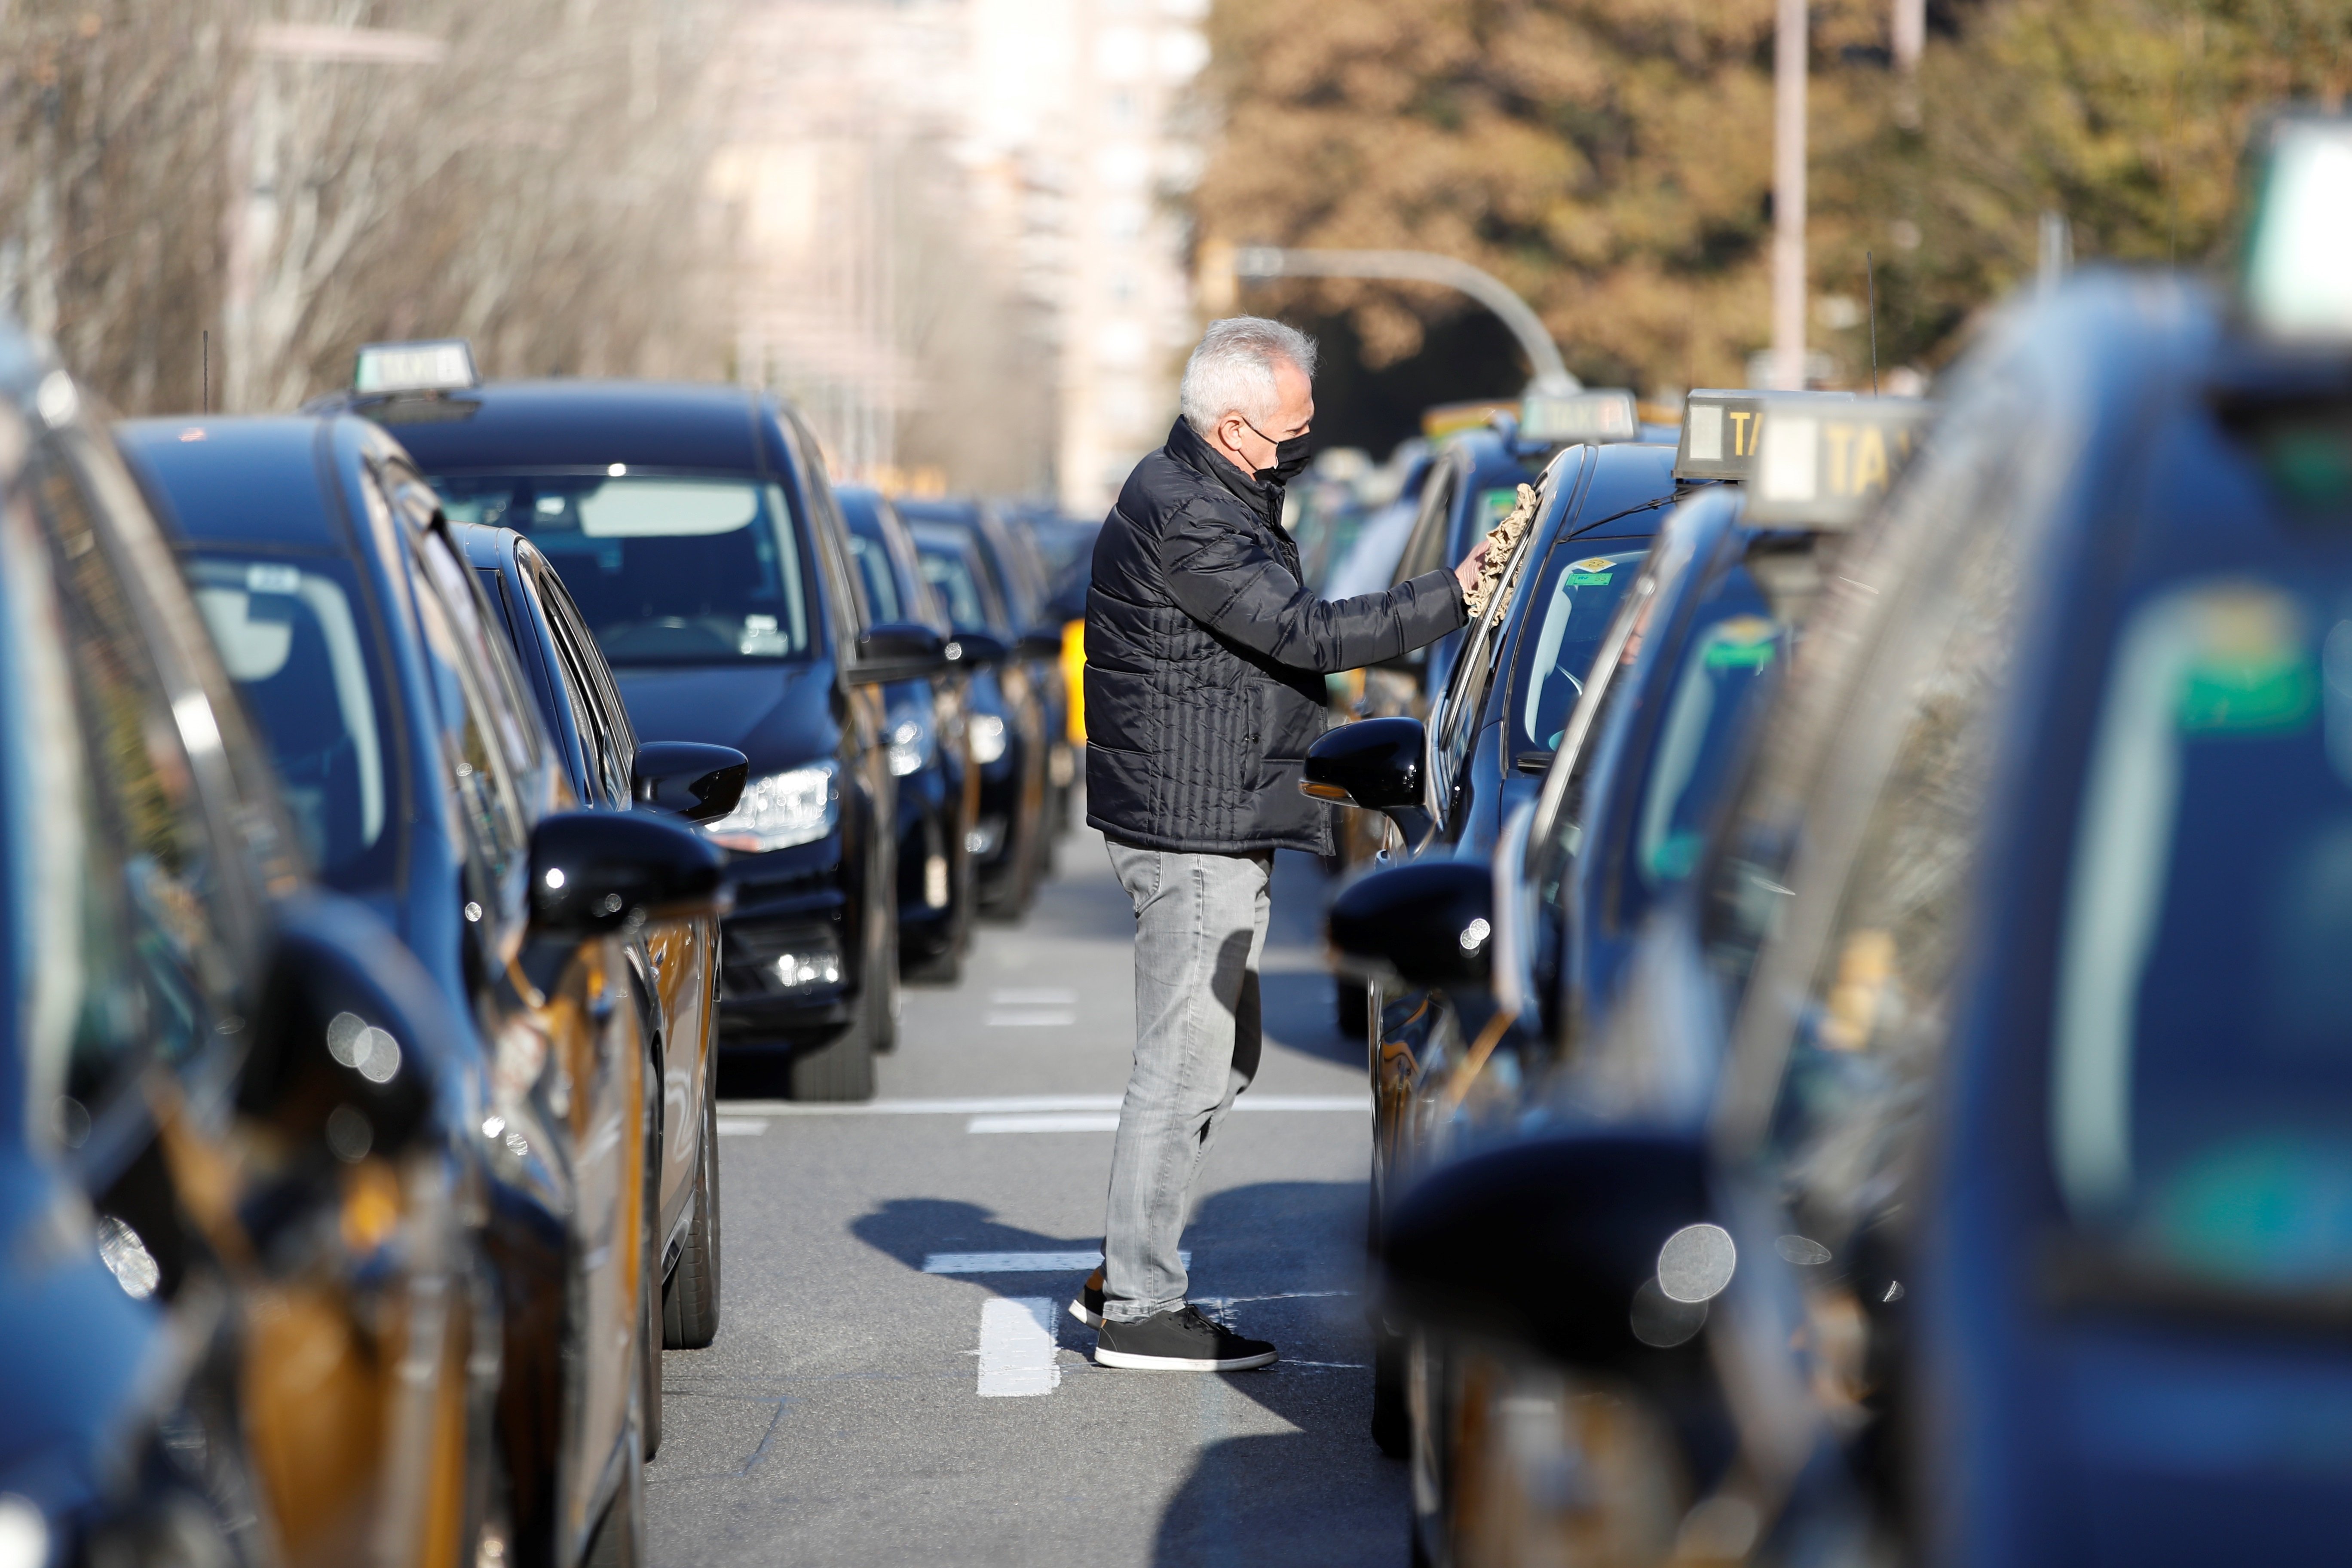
(1290, 459)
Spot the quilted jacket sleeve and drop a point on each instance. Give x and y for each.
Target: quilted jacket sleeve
(1226, 576)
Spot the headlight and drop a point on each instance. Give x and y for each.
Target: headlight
(24, 1534)
(779, 810)
(913, 741)
(987, 733)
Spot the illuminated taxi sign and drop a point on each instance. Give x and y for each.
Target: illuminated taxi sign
(443, 365)
(1723, 430)
(2297, 279)
(1589, 417)
(1826, 460)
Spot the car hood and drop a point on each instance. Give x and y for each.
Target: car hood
(777, 715)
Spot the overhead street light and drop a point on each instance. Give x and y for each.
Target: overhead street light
(1551, 376)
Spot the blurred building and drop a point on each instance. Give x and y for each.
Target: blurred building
(953, 245)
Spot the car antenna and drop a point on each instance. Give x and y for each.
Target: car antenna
(1870, 283)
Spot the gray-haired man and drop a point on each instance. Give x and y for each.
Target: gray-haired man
(1205, 658)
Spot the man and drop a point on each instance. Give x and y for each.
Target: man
(1205, 658)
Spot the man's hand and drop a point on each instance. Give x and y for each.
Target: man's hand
(1467, 573)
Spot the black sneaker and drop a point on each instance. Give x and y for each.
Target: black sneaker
(1086, 1305)
(1180, 1341)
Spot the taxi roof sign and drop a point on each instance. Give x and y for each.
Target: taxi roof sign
(2297, 276)
(1723, 430)
(1606, 415)
(1827, 459)
(443, 364)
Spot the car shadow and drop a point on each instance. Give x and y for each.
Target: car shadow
(1298, 1007)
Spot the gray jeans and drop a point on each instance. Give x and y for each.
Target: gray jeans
(1200, 925)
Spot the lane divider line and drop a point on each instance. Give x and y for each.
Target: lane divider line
(1048, 1122)
(1020, 1262)
(1016, 1348)
(1011, 1104)
(741, 1126)
(1029, 1018)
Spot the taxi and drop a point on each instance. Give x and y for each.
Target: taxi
(1969, 1187)
(675, 963)
(423, 784)
(243, 1314)
(931, 746)
(695, 530)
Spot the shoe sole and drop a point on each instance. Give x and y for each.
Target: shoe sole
(1091, 1320)
(1131, 1362)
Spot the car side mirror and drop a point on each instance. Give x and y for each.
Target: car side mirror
(974, 650)
(1375, 764)
(1429, 923)
(898, 650)
(699, 782)
(351, 1042)
(1596, 1249)
(1041, 642)
(597, 871)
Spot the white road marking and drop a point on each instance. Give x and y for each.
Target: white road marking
(741, 1126)
(1019, 1262)
(1358, 1104)
(1016, 1347)
(1040, 999)
(1029, 1018)
(1048, 1122)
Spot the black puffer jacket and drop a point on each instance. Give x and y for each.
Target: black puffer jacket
(1205, 658)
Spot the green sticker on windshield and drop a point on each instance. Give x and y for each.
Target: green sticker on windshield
(2250, 672)
(1493, 506)
(1743, 642)
(1585, 579)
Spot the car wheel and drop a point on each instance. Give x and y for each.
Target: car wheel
(885, 973)
(842, 1070)
(691, 1296)
(944, 967)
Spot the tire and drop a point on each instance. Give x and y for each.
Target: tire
(1351, 1009)
(691, 1294)
(885, 1004)
(944, 967)
(842, 1071)
(1391, 1421)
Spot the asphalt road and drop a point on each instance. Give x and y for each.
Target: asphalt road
(880, 1395)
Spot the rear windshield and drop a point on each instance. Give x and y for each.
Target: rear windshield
(666, 569)
(2201, 1087)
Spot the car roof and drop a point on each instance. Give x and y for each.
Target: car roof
(564, 423)
(247, 478)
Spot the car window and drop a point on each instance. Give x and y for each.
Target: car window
(873, 558)
(292, 634)
(949, 571)
(160, 957)
(609, 750)
(1728, 661)
(1424, 550)
(667, 569)
(476, 768)
(1568, 612)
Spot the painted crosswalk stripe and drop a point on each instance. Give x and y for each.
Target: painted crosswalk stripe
(1019, 1262)
(1006, 1104)
(1048, 1122)
(1029, 1018)
(1016, 1347)
(741, 1126)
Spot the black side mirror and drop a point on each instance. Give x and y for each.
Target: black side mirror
(700, 783)
(974, 650)
(1593, 1249)
(352, 1045)
(1372, 763)
(596, 871)
(1429, 923)
(1041, 642)
(898, 650)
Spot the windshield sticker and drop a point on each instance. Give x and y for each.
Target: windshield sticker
(2250, 672)
(1592, 572)
(1743, 642)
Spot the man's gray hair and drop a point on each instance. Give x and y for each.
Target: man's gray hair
(1233, 370)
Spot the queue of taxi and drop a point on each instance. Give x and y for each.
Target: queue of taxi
(403, 804)
(1854, 987)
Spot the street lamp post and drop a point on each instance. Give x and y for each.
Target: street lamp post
(1788, 64)
(1550, 372)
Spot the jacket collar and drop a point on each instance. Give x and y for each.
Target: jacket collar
(1262, 497)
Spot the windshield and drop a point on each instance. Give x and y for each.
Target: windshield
(2201, 1083)
(666, 570)
(1726, 661)
(1572, 605)
(290, 638)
